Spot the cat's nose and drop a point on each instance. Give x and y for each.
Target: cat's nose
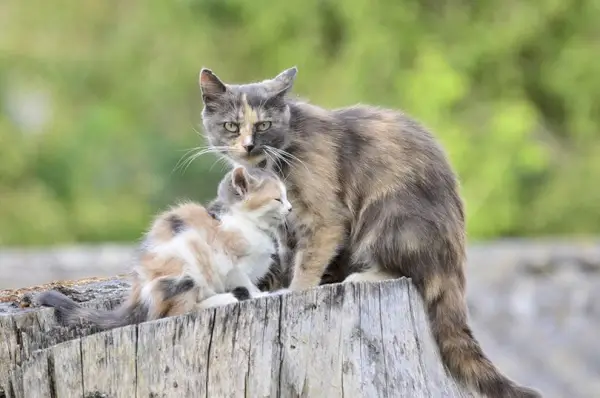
(289, 209)
(248, 147)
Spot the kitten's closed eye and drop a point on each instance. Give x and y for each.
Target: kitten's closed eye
(279, 200)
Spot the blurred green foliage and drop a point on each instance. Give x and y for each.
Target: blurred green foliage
(99, 100)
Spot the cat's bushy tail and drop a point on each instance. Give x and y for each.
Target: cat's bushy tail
(461, 352)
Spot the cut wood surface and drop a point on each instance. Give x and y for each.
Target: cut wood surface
(344, 340)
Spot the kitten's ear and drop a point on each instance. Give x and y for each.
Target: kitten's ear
(240, 180)
(210, 85)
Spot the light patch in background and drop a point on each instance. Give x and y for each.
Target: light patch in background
(28, 108)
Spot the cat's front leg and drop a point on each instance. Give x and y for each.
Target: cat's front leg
(314, 252)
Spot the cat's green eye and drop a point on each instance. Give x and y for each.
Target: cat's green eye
(231, 127)
(263, 126)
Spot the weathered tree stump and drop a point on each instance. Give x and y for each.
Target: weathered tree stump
(343, 340)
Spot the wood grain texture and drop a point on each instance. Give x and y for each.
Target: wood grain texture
(344, 340)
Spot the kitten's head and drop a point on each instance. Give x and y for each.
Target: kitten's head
(259, 194)
(244, 122)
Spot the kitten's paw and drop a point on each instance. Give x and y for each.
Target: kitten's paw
(218, 300)
(241, 293)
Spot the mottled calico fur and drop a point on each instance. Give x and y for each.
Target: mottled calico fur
(278, 276)
(189, 259)
(374, 198)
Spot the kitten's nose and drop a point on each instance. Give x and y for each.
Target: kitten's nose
(248, 147)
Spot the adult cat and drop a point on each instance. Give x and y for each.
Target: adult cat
(368, 181)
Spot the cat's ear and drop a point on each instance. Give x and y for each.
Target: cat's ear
(210, 85)
(287, 77)
(284, 81)
(280, 85)
(240, 180)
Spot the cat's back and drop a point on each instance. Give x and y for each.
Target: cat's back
(368, 130)
(369, 153)
(377, 140)
(372, 124)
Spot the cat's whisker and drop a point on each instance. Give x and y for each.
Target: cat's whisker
(194, 156)
(202, 147)
(283, 160)
(274, 158)
(197, 132)
(214, 164)
(218, 161)
(184, 156)
(269, 157)
(279, 162)
(293, 157)
(279, 166)
(288, 157)
(282, 153)
(187, 159)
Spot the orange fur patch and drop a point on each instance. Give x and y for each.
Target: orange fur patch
(268, 192)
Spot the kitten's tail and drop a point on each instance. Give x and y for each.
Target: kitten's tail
(69, 312)
(460, 351)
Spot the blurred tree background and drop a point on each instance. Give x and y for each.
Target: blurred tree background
(99, 100)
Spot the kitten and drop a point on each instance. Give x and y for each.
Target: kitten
(374, 198)
(188, 256)
(277, 278)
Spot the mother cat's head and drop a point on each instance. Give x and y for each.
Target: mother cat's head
(247, 123)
